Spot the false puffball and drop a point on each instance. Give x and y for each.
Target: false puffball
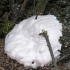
(24, 44)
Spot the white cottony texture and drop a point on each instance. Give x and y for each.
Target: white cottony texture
(25, 45)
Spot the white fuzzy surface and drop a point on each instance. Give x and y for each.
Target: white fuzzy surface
(24, 44)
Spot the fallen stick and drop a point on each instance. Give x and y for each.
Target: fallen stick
(44, 33)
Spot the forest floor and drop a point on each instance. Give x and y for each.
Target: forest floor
(6, 63)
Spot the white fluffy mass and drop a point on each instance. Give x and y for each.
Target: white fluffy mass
(24, 44)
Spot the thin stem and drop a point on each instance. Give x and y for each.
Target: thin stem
(34, 8)
(50, 49)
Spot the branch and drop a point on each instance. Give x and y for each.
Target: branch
(63, 57)
(44, 33)
(40, 7)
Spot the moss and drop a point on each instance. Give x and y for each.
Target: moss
(7, 26)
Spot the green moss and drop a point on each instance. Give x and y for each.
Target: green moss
(7, 26)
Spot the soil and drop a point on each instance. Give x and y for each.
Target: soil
(6, 63)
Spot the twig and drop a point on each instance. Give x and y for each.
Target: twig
(34, 9)
(36, 16)
(44, 33)
(35, 12)
(63, 57)
(40, 7)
